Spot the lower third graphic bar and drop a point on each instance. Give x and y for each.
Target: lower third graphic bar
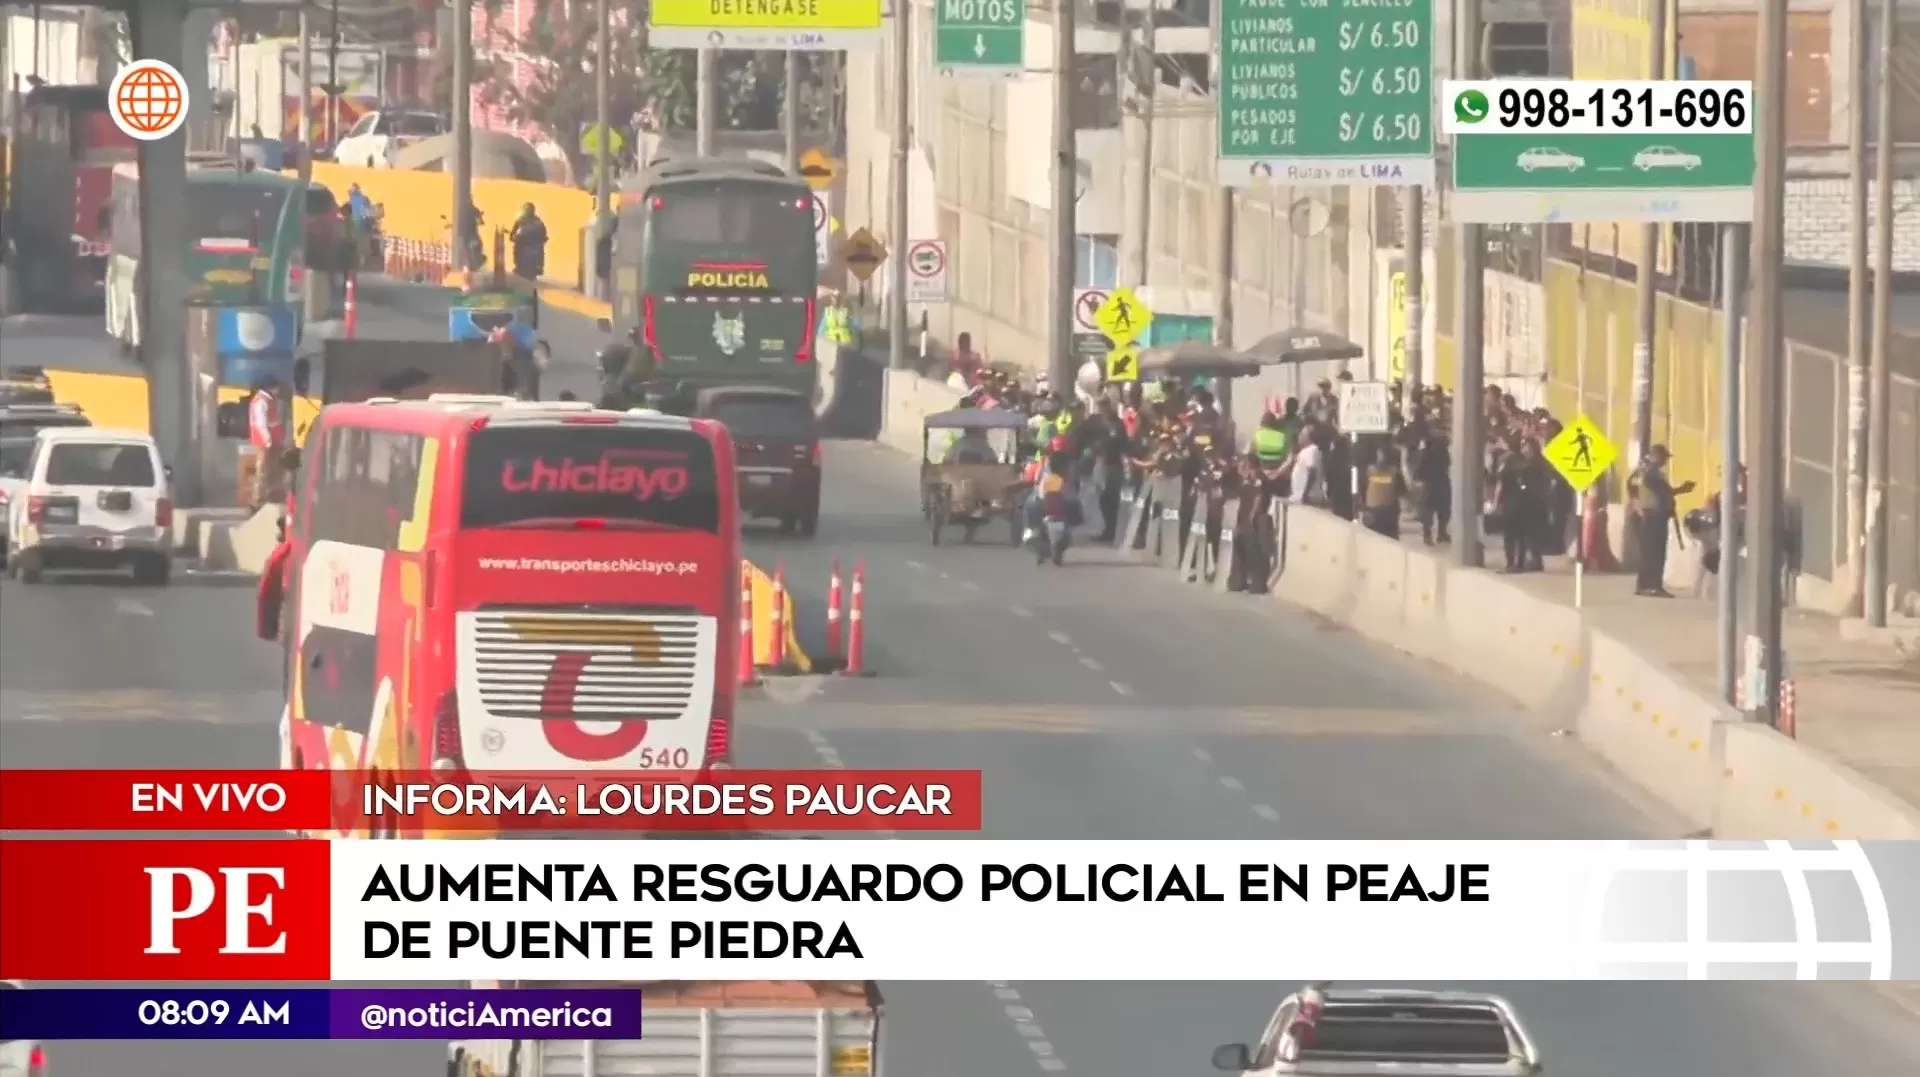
(319, 1014)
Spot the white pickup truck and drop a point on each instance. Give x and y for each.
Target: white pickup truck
(705, 1028)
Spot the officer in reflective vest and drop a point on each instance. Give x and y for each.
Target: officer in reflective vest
(267, 429)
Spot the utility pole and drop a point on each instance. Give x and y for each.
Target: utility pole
(333, 79)
(790, 111)
(1880, 416)
(1469, 328)
(706, 104)
(306, 99)
(1142, 73)
(1223, 214)
(1413, 251)
(462, 164)
(1646, 304)
(603, 115)
(1858, 342)
(1733, 287)
(173, 402)
(1066, 173)
(1766, 407)
(900, 184)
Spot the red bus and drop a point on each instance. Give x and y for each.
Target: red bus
(65, 147)
(477, 583)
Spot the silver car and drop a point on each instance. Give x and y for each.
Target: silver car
(1322, 1032)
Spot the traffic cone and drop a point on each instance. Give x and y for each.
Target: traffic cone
(351, 308)
(856, 632)
(748, 675)
(833, 611)
(777, 646)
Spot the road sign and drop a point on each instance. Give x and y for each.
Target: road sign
(1278, 124)
(1089, 343)
(822, 232)
(1121, 318)
(815, 26)
(819, 169)
(1123, 363)
(927, 271)
(1581, 453)
(1551, 177)
(863, 253)
(591, 141)
(1366, 407)
(980, 37)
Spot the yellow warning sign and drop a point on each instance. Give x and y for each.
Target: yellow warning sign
(1122, 318)
(1581, 453)
(863, 252)
(1123, 364)
(819, 169)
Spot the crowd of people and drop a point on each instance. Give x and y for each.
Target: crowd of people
(1122, 437)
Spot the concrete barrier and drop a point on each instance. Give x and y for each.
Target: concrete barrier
(1678, 742)
(907, 400)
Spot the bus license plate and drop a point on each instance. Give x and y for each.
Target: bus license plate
(759, 480)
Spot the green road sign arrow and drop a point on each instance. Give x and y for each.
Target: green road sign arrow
(980, 37)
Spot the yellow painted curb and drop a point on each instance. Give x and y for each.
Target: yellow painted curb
(763, 624)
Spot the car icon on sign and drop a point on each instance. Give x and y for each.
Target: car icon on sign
(1665, 157)
(1548, 157)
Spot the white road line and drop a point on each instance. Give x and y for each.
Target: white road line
(1267, 812)
(825, 750)
(132, 607)
(1028, 1026)
(1061, 638)
(1203, 755)
(916, 566)
(1090, 663)
(970, 586)
(1120, 688)
(1021, 611)
(1233, 783)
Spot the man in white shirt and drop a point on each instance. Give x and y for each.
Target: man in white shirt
(1308, 484)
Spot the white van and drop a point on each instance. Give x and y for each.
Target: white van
(93, 500)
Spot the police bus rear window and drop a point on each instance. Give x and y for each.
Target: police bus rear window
(1408, 1032)
(554, 476)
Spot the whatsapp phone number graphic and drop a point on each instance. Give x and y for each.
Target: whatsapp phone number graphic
(318, 1014)
(1594, 106)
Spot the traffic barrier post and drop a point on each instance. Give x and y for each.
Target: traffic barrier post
(748, 674)
(1226, 559)
(856, 627)
(1193, 557)
(777, 646)
(833, 611)
(1140, 512)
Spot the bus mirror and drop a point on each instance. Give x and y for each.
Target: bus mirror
(290, 459)
(605, 325)
(266, 613)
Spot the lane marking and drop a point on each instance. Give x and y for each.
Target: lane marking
(1060, 638)
(1203, 755)
(132, 607)
(1090, 664)
(971, 586)
(1233, 783)
(824, 748)
(1120, 688)
(1028, 1026)
(1267, 812)
(916, 566)
(1021, 611)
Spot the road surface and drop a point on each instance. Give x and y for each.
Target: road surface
(1100, 700)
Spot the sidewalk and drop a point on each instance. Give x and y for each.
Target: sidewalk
(1858, 701)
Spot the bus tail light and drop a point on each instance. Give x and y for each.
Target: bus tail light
(36, 510)
(446, 732)
(37, 1062)
(649, 331)
(804, 353)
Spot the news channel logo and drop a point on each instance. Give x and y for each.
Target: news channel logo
(1757, 910)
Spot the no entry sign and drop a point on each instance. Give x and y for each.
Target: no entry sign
(927, 271)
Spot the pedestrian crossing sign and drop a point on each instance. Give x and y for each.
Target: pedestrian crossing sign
(1123, 319)
(1123, 364)
(1581, 453)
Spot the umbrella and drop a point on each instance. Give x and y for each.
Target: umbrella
(1195, 359)
(1304, 346)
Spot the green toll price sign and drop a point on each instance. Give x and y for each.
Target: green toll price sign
(1326, 92)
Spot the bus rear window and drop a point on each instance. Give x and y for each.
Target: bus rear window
(233, 217)
(552, 476)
